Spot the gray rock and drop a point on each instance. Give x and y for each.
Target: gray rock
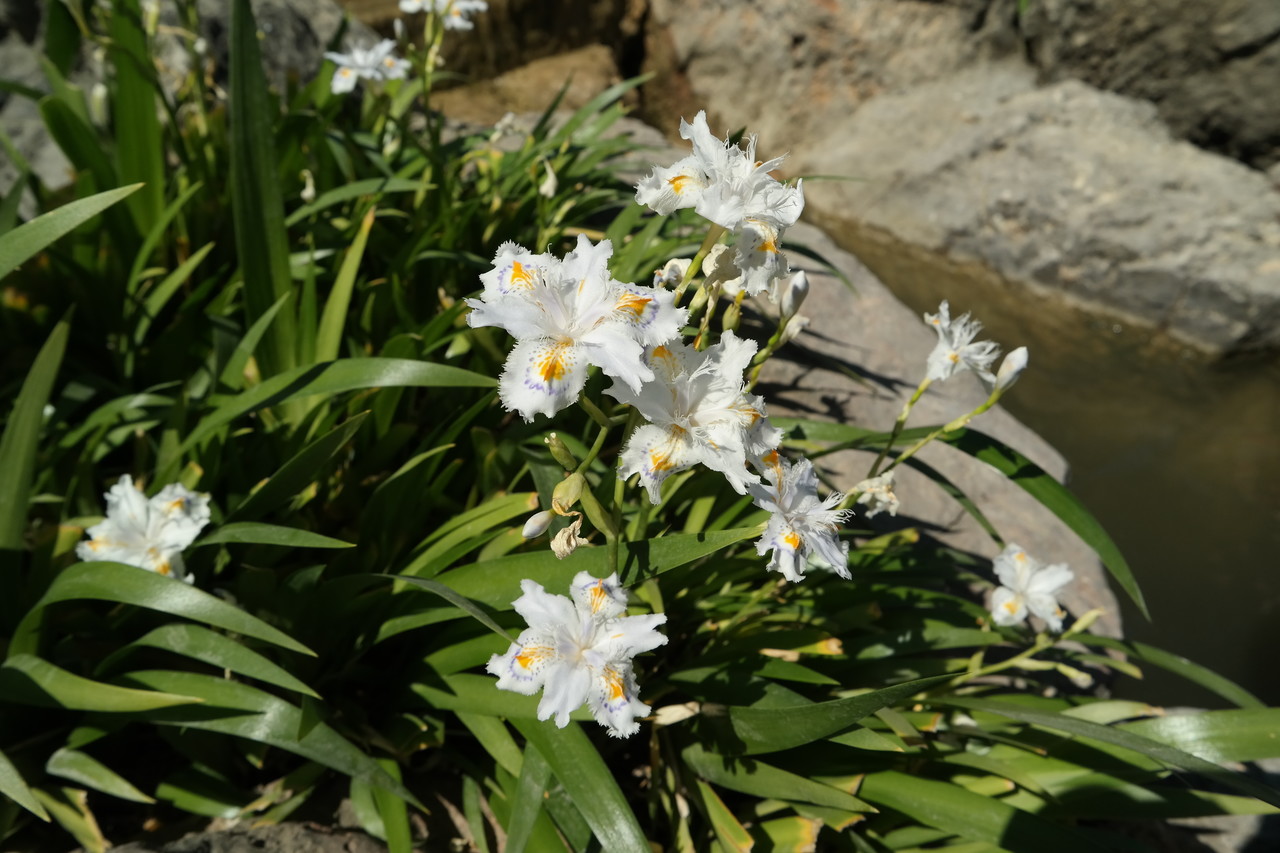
(1067, 188)
(1211, 66)
(885, 344)
(956, 150)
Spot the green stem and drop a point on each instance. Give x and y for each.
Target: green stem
(713, 235)
(1043, 641)
(958, 423)
(899, 424)
(594, 411)
(596, 447)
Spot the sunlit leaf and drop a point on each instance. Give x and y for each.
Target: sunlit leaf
(31, 680)
(103, 581)
(22, 434)
(85, 770)
(13, 786)
(257, 533)
(589, 784)
(214, 649)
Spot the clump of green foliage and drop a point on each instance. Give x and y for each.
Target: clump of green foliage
(258, 295)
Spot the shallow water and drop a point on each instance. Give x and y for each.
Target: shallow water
(1179, 459)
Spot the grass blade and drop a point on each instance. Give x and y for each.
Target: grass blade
(333, 320)
(18, 446)
(256, 204)
(26, 240)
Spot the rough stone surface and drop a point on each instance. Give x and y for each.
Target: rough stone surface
(955, 148)
(1211, 66)
(281, 838)
(588, 71)
(1069, 188)
(885, 344)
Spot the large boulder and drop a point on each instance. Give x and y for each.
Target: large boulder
(958, 151)
(1212, 67)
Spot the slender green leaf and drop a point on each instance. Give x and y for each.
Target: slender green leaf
(156, 234)
(750, 776)
(157, 296)
(10, 204)
(88, 771)
(589, 784)
(461, 602)
(477, 694)
(729, 831)
(333, 320)
(141, 156)
(1121, 737)
(257, 533)
(233, 373)
(237, 709)
(256, 203)
(391, 808)
(32, 681)
(20, 442)
(334, 378)
(535, 774)
(355, 189)
(299, 472)
(773, 729)
(13, 786)
(79, 141)
(1056, 497)
(103, 581)
(69, 807)
(212, 648)
(28, 239)
(1219, 736)
(969, 815)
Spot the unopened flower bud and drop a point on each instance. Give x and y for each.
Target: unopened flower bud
(150, 15)
(537, 524)
(732, 317)
(793, 294)
(398, 26)
(795, 326)
(1011, 368)
(567, 492)
(308, 193)
(567, 540)
(98, 104)
(549, 185)
(560, 452)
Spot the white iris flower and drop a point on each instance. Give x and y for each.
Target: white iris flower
(728, 186)
(580, 651)
(956, 350)
(801, 527)
(566, 315)
(1028, 584)
(150, 534)
(721, 181)
(697, 412)
(374, 63)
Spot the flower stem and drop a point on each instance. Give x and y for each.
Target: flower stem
(713, 235)
(899, 424)
(958, 423)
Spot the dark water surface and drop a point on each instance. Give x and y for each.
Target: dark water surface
(1178, 458)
